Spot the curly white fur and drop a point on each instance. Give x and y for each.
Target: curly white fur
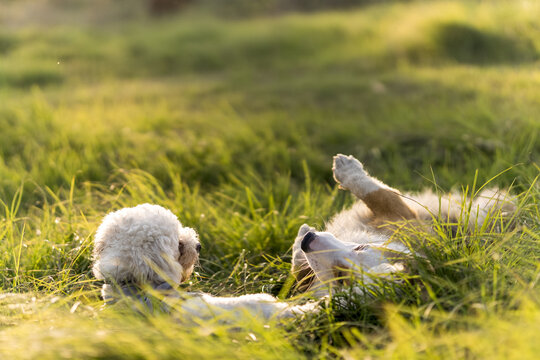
(144, 244)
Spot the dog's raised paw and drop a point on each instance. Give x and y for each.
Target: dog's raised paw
(347, 170)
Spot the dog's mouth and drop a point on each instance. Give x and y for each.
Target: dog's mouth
(188, 272)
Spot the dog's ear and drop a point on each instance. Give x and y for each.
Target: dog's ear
(304, 229)
(98, 249)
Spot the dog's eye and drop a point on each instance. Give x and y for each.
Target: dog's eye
(181, 248)
(341, 277)
(362, 247)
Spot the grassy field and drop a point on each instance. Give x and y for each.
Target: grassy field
(232, 124)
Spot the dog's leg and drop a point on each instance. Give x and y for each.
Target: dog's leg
(492, 205)
(385, 203)
(205, 306)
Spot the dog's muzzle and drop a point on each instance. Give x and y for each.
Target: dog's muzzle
(308, 238)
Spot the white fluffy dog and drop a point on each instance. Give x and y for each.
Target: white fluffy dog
(146, 246)
(359, 240)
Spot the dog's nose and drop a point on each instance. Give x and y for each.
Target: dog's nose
(308, 238)
(198, 248)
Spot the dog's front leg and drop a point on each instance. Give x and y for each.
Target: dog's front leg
(382, 200)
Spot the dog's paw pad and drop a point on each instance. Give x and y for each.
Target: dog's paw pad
(347, 169)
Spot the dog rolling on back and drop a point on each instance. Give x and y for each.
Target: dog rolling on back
(359, 240)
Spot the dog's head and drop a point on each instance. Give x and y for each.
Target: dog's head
(144, 244)
(333, 260)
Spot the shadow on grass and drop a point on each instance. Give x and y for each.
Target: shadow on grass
(467, 44)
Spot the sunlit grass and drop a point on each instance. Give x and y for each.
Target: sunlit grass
(232, 125)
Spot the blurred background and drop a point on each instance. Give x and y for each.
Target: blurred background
(214, 90)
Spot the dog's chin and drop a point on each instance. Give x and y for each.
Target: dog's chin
(186, 274)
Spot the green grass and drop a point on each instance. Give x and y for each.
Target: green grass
(232, 125)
